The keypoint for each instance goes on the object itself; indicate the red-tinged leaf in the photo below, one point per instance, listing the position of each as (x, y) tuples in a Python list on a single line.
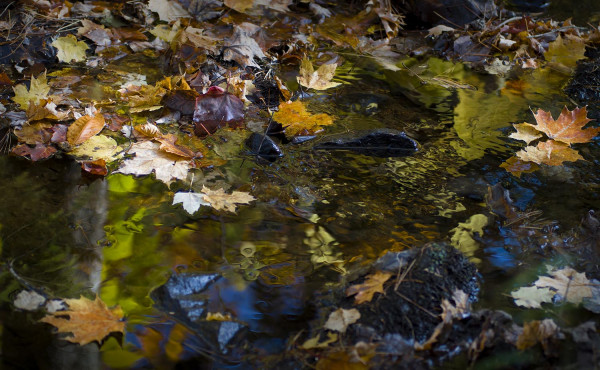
[(97, 167), (5, 80), (552, 153), (36, 153), (84, 128), (115, 122), (35, 133), (216, 109), (59, 134), (183, 101)]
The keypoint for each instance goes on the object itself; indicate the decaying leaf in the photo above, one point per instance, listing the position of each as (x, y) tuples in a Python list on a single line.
[(168, 144), (84, 128), (460, 309), (552, 153), (373, 284), (38, 90), (168, 10), (220, 200), (190, 201), (568, 127), (36, 153), (538, 332), (35, 133), (88, 320), (532, 297), (149, 158), (319, 79), (314, 342), (296, 120), (340, 319), (29, 300), (573, 286), (566, 283), (517, 166), (242, 48), (217, 108), (69, 49), (98, 147), (563, 53)]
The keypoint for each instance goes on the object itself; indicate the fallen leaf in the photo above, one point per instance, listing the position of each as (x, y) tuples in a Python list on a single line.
[(244, 6), (525, 132), (242, 48), (365, 291), (532, 297), (538, 332), (168, 10), (84, 128), (319, 79), (314, 342), (38, 152), (35, 133), (148, 130), (97, 167), (190, 201), (573, 286), (38, 90), (98, 147), (167, 144), (220, 200), (69, 49), (517, 167), (438, 30), (565, 52), (88, 320), (340, 319), (296, 120), (217, 108), (149, 158), (29, 300), (218, 317), (549, 152), (95, 32), (459, 310), (568, 128)]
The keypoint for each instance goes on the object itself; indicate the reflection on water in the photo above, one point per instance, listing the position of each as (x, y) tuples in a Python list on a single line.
[(319, 214)]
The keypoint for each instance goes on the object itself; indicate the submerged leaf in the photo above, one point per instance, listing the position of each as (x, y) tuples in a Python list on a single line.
[(319, 79), (88, 320), (296, 120)]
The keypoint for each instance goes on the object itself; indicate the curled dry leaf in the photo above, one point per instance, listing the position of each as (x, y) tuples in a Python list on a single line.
[(319, 79), (296, 120), (365, 291), (88, 320), (84, 128)]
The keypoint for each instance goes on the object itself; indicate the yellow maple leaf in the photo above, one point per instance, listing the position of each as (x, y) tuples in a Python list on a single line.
[(552, 153), (563, 53), (218, 199), (88, 320), (319, 79), (69, 49), (296, 120), (365, 291), (38, 90)]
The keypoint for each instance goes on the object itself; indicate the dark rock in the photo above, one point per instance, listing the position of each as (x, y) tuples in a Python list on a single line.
[(378, 143), (264, 147)]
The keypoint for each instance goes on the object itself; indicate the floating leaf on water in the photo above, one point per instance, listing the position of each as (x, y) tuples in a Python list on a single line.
[(190, 201), (296, 120), (149, 158), (532, 297), (84, 128), (98, 147), (319, 79), (568, 127), (220, 200), (549, 152), (38, 90), (69, 49), (373, 284), (168, 10), (340, 319)]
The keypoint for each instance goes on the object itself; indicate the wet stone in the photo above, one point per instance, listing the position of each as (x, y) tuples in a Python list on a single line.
[(378, 143)]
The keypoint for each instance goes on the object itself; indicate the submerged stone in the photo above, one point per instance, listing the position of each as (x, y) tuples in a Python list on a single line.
[(378, 143), (264, 147)]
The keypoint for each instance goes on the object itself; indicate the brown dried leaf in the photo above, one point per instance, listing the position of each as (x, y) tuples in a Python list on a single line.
[(36, 133), (517, 167), (88, 320), (537, 332), (167, 144), (567, 128), (365, 291), (220, 200), (40, 151), (84, 128), (572, 285), (525, 132), (97, 167), (549, 152), (340, 319)]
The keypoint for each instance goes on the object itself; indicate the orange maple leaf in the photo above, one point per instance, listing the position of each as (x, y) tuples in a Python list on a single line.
[(517, 166), (88, 320), (567, 128), (365, 291), (552, 153), (296, 120)]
